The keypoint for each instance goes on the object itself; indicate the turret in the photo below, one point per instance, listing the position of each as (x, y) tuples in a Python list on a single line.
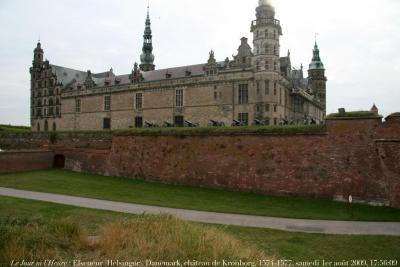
[(316, 77), (266, 32), (38, 56), (147, 57)]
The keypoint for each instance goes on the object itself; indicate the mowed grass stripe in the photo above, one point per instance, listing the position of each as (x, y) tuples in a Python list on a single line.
[(175, 196)]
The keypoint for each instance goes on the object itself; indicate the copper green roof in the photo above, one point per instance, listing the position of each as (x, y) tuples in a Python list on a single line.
[(316, 63)]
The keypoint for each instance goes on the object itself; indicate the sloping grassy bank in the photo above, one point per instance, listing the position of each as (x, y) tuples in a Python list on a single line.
[(175, 196)]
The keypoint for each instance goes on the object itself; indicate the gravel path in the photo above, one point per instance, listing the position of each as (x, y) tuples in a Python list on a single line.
[(292, 225)]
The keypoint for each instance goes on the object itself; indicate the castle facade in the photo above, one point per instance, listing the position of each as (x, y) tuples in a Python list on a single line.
[(256, 85)]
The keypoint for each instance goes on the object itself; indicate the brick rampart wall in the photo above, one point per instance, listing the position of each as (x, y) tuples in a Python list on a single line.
[(15, 161), (358, 157)]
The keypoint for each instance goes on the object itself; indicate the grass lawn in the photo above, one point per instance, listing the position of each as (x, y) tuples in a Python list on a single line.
[(282, 245), (150, 193)]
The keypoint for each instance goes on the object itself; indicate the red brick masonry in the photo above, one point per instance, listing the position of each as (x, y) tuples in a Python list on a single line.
[(360, 157), (12, 161)]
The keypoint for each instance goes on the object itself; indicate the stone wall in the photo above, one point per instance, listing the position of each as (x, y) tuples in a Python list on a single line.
[(29, 160), (34, 140)]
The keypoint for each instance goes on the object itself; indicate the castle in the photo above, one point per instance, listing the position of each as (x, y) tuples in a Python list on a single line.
[(256, 86)]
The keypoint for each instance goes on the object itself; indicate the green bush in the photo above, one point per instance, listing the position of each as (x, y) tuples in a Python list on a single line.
[(14, 129), (354, 114), (204, 131)]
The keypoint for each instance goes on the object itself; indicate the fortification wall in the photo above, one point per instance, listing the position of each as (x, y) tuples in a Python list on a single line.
[(358, 157), (346, 161), (14, 161), (35, 140)]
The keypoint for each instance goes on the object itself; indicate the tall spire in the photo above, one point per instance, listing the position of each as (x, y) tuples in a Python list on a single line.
[(147, 57), (316, 62)]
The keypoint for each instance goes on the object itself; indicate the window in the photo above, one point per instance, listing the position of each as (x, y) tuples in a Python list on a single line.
[(275, 108), (39, 112), (275, 85), (215, 95), (138, 122), (267, 87), (54, 127), (57, 101), (267, 64), (244, 118), (275, 66), (179, 121), (106, 123), (259, 108), (243, 93), (275, 50), (46, 126), (139, 101), (275, 121), (179, 98), (266, 121), (51, 111), (77, 105), (258, 88), (57, 111), (266, 107), (107, 103)]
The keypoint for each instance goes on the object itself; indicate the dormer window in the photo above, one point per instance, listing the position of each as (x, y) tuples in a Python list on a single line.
[(168, 75), (117, 80), (188, 73), (107, 82)]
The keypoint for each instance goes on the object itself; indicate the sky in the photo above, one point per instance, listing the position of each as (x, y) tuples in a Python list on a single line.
[(359, 42)]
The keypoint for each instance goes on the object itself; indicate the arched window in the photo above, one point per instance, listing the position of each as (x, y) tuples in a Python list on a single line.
[(51, 102), (54, 127), (46, 126)]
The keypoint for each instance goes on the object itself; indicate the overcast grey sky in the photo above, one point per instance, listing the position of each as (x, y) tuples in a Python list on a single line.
[(359, 41)]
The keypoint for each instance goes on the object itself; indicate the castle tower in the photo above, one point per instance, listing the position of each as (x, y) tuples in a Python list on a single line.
[(147, 57), (266, 33), (35, 71), (316, 77), (266, 63), (38, 56)]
